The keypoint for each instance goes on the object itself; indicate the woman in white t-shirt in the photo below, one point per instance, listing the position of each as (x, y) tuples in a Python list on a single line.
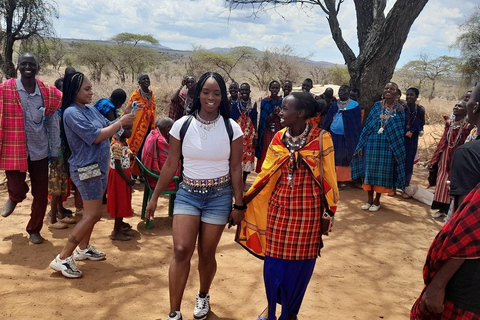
[(212, 148)]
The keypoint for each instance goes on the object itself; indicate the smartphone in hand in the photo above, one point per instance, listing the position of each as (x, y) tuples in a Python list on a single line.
[(134, 107)]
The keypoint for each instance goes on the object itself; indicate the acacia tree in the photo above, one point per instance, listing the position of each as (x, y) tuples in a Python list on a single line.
[(469, 44), (380, 37), (23, 20), (130, 55)]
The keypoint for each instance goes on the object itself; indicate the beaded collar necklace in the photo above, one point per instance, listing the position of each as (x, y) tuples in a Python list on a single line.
[(206, 125), (293, 144), (386, 113), (342, 104)]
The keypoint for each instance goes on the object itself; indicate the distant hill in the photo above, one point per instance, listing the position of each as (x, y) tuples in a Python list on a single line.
[(161, 48)]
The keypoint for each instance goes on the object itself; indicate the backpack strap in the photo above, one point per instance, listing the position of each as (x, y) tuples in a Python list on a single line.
[(229, 128), (184, 128)]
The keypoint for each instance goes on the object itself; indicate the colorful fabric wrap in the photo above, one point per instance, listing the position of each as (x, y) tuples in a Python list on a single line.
[(204, 185), (383, 161), (13, 147), (251, 231), (458, 239)]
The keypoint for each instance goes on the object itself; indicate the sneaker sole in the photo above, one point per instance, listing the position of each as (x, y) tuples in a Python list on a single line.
[(67, 275), (81, 258), (201, 317)]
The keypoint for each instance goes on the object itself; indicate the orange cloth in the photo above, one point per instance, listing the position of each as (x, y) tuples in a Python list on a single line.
[(377, 189), (343, 173), (144, 117)]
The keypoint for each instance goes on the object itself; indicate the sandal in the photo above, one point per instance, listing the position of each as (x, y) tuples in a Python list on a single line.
[(126, 226)]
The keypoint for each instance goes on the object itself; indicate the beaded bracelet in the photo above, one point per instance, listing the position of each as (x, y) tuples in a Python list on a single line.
[(242, 207)]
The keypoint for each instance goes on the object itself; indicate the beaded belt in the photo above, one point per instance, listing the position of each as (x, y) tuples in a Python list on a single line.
[(204, 185)]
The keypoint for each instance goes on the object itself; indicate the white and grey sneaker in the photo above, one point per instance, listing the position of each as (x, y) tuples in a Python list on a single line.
[(90, 253), (202, 307), (175, 315), (67, 267)]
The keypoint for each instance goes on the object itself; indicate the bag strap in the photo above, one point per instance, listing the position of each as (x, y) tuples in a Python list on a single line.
[(229, 128), (184, 128)]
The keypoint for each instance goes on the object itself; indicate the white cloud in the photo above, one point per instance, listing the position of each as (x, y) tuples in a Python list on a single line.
[(179, 23)]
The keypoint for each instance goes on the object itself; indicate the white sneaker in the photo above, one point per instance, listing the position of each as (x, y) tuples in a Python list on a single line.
[(67, 267), (202, 307), (175, 315), (438, 214), (366, 206), (90, 252), (374, 208)]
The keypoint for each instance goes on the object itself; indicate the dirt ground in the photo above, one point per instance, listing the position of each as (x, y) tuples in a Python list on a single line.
[(371, 267)]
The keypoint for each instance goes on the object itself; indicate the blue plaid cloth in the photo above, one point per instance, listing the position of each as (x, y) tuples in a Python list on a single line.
[(266, 108), (346, 144), (384, 153)]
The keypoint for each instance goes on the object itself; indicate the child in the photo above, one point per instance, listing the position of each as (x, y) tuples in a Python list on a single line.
[(120, 182), (57, 189)]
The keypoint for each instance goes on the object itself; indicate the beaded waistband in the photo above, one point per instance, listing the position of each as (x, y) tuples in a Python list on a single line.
[(206, 182)]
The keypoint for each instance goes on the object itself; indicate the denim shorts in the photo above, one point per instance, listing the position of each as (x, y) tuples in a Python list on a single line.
[(91, 189), (213, 206)]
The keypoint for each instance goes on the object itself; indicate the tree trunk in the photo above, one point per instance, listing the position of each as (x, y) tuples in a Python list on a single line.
[(432, 93), (8, 67)]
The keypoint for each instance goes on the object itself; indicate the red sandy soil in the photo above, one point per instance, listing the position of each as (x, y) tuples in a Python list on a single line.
[(371, 267)]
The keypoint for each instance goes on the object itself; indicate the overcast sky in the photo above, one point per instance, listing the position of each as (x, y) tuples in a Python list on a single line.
[(180, 24)]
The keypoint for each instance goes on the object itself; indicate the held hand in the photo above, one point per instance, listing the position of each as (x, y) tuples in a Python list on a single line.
[(127, 119), (128, 108), (326, 225), (432, 299), (150, 210), (360, 153), (131, 182), (235, 217), (409, 134), (53, 162)]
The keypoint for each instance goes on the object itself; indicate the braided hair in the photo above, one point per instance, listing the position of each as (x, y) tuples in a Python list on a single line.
[(224, 106), (72, 83)]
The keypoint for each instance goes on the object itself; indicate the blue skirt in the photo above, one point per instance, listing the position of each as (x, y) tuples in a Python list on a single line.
[(286, 282)]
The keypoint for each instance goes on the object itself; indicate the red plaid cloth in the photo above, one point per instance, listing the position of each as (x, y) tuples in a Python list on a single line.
[(13, 148), (177, 109), (293, 220), (459, 238)]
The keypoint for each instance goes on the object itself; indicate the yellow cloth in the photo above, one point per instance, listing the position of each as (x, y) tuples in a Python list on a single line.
[(251, 231)]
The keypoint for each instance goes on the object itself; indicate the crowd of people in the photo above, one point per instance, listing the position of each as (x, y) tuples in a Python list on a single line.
[(304, 148)]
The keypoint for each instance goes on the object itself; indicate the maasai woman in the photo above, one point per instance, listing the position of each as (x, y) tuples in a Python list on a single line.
[(454, 135), (344, 122), (244, 111), (414, 122), (292, 203), (144, 117), (452, 271), (286, 88), (269, 122), (379, 159)]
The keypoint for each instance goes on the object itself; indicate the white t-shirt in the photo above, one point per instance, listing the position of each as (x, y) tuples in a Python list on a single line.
[(206, 154)]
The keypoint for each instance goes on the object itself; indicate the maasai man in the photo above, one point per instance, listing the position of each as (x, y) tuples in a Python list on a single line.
[(144, 117)]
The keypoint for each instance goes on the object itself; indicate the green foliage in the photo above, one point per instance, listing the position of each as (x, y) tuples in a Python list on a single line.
[(134, 38), (50, 52), (469, 43), (338, 75), (22, 20)]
